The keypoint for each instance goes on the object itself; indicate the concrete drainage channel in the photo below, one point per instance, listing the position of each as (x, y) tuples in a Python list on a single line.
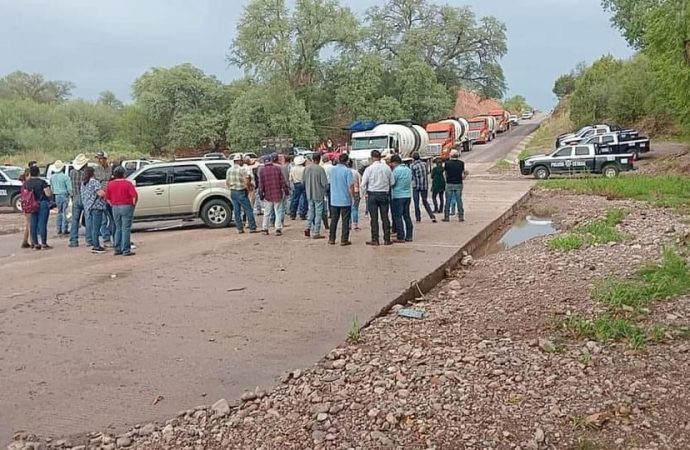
[(491, 233)]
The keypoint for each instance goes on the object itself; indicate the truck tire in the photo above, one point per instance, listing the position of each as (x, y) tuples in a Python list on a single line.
[(541, 173), (610, 171), (17, 203), (216, 213)]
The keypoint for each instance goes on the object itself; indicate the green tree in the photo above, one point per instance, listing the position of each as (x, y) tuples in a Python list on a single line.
[(421, 96), (516, 104), (462, 50), (170, 97), (33, 86), (269, 109), (591, 100), (631, 17), (108, 98), (564, 85)]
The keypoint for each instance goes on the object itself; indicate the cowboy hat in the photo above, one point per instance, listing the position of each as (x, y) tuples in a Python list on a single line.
[(80, 161), (237, 157), (299, 160), (58, 165)]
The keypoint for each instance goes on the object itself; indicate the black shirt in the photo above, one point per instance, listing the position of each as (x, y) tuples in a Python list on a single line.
[(37, 185), (454, 169)]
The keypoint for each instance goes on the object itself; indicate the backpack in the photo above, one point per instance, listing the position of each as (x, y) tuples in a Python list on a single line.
[(28, 199)]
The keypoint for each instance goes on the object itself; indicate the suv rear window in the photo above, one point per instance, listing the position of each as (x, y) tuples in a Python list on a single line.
[(219, 170), (187, 174), (581, 151), (152, 177)]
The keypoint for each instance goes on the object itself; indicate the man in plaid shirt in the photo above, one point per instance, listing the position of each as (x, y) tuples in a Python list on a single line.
[(273, 189), (420, 184), (238, 179), (76, 176)]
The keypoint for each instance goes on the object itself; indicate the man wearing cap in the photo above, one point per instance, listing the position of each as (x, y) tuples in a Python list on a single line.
[(103, 173), (455, 172), (376, 183), (315, 185), (239, 180), (61, 186), (76, 176), (299, 193), (273, 189)]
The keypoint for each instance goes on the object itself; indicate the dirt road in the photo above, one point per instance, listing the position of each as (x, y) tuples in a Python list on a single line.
[(95, 342)]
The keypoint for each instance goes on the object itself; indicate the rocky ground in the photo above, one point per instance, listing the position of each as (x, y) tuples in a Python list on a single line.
[(488, 367)]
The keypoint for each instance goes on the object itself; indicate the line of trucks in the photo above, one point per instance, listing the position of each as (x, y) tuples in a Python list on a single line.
[(600, 149), (435, 140)]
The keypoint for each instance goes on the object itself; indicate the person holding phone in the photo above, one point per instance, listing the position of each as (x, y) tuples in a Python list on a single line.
[(92, 196)]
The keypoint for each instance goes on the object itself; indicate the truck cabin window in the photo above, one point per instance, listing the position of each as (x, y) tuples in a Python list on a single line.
[(564, 152), (581, 151), (433, 135), (607, 140), (476, 125), (370, 143)]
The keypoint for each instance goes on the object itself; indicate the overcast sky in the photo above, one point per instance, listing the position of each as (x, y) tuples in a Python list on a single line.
[(106, 44)]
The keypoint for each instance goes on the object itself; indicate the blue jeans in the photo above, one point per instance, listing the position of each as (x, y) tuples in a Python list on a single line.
[(299, 194), (454, 195), (273, 212), (107, 223), (314, 216), (77, 211), (401, 218), (240, 202), (94, 226), (355, 209), (122, 216), (39, 223), (61, 200)]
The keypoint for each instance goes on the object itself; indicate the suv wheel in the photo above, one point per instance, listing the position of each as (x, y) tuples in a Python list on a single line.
[(610, 171), (541, 173), (17, 203), (216, 213)]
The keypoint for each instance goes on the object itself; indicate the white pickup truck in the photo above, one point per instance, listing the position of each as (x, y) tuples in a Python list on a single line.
[(587, 132)]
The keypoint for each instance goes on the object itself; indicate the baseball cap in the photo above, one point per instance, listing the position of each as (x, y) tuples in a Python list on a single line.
[(102, 154)]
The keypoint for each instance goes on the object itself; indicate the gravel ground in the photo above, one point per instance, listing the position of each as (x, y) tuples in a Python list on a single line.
[(486, 368)]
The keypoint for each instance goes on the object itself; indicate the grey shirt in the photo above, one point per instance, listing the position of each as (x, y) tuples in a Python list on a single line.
[(103, 174), (315, 182), (378, 177)]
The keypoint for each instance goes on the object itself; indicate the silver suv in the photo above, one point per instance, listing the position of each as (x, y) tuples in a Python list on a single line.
[(184, 190)]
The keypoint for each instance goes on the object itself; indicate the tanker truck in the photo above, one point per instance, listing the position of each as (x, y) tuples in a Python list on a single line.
[(447, 135), (503, 118), (402, 138), (492, 124), (481, 129)]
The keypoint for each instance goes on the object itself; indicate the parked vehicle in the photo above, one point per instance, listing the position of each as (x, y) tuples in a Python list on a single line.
[(502, 119), (480, 130), (402, 138), (10, 187), (587, 132), (447, 135), (575, 159), (184, 189), (514, 119), (137, 164), (621, 142), (527, 115), (276, 144)]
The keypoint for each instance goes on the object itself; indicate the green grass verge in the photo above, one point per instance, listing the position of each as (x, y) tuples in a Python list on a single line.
[(606, 328), (600, 231), (667, 279), (503, 165), (665, 191)]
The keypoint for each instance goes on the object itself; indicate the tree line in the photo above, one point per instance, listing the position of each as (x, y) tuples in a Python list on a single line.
[(309, 71), (651, 89)]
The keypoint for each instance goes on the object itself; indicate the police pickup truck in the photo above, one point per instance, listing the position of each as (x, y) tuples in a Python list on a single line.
[(10, 187), (576, 159), (587, 132), (621, 142)]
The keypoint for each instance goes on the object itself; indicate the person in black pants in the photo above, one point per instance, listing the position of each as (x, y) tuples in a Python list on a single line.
[(376, 182), (342, 198), (420, 181)]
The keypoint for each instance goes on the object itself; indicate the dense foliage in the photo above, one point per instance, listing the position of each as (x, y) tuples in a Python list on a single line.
[(653, 87), (311, 67)]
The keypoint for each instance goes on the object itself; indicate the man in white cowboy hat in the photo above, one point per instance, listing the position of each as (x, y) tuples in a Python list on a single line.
[(61, 185), (76, 176), (103, 172), (299, 193)]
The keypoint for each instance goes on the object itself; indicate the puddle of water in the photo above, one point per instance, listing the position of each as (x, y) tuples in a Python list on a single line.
[(524, 229)]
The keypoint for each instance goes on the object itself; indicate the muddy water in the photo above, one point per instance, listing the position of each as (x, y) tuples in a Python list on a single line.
[(524, 228)]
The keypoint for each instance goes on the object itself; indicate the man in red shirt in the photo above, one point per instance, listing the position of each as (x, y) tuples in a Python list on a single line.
[(122, 196), (273, 188)]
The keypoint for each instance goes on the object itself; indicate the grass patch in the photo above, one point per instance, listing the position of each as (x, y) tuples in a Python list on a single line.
[(503, 165), (669, 278), (566, 242), (600, 231), (355, 333), (664, 191), (607, 328)]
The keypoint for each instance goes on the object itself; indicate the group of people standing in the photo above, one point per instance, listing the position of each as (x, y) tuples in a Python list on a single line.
[(327, 194), (102, 200)]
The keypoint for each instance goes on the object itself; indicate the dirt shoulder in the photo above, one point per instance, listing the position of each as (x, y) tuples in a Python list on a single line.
[(490, 366)]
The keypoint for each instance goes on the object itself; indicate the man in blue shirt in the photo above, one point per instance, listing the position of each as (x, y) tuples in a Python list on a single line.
[(401, 195), (61, 185), (342, 195)]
